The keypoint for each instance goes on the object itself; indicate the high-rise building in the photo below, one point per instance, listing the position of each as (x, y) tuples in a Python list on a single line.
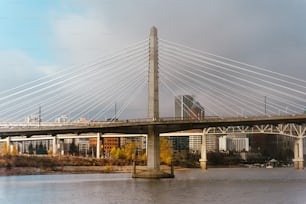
[(198, 111), (183, 105), (186, 107)]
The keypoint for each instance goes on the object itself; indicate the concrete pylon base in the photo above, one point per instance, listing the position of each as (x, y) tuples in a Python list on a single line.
[(299, 165), (203, 164), (152, 174)]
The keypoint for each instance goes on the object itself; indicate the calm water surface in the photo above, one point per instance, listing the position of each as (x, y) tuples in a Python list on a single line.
[(214, 186)]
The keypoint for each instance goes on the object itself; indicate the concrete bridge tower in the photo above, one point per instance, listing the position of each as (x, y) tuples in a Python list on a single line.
[(153, 150), (153, 142)]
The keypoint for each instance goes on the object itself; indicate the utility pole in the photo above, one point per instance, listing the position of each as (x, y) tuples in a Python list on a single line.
[(39, 115), (265, 105), (115, 111)]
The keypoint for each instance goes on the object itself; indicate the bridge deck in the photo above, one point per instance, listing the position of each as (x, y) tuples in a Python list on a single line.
[(141, 126)]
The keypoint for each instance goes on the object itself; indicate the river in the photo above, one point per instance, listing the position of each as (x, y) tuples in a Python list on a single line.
[(224, 185)]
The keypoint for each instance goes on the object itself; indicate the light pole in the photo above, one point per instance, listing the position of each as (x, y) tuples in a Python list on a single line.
[(265, 105)]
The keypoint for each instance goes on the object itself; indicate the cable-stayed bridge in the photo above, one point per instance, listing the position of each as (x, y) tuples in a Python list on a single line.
[(113, 92)]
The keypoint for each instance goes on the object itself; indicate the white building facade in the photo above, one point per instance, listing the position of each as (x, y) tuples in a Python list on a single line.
[(232, 143)]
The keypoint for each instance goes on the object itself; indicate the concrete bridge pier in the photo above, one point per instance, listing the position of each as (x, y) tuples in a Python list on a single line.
[(298, 153), (8, 145), (203, 159), (153, 157), (54, 145), (153, 151), (99, 135)]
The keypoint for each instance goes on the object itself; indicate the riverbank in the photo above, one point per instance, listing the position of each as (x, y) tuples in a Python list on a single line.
[(38, 165), (15, 171)]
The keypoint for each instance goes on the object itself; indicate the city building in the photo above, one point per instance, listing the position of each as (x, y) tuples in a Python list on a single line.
[(237, 143), (197, 110), (212, 143), (109, 143), (84, 147), (274, 146), (34, 118), (62, 119), (179, 143), (195, 142), (186, 107), (182, 105), (140, 141)]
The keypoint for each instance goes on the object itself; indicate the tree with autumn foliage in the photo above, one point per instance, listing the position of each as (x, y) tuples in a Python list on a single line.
[(14, 150), (4, 149), (117, 153), (165, 151), (129, 150)]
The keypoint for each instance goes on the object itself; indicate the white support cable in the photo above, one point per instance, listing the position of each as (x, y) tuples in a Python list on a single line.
[(210, 97), (236, 72), (212, 88), (72, 68), (280, 108), (121, 87), (174, 94), (99, 92), (208, 79), (2, 104), (33, 104), (45, 88), (194, 60), (166, 85), (85, 102), (234, 61), (137, 89), (57, 75), (224, 79), (124, 94), (190, 85), (124, 72), (276, 106)]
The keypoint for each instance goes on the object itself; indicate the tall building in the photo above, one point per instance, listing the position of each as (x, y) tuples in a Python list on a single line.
[(198, 111), (186, 107), (183, 105)]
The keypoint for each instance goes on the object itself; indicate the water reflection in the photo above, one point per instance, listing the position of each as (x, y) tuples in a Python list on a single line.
[(213, 186)]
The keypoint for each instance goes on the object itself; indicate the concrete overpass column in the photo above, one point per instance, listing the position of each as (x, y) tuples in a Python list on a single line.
[(203, 159), (22, 147), (153, 150), (54, 146), (8, 145), (98, 145), (298, 153), (301, 153)]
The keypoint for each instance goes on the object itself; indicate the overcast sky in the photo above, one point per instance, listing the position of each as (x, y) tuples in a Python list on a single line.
[(38, 37)]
